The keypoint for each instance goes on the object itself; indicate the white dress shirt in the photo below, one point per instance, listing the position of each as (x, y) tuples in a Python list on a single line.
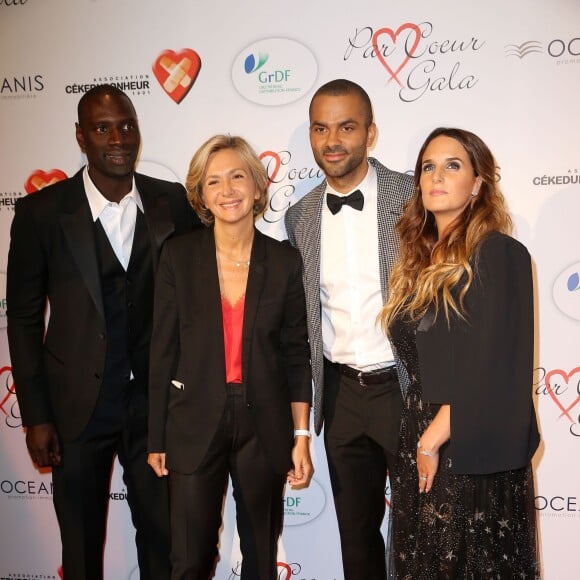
[(118, 219), (350, 284)]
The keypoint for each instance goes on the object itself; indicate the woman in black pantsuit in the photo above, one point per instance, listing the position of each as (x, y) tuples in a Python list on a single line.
[(230, 381)]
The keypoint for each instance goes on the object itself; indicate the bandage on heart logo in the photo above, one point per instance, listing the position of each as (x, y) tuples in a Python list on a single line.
[(39, 179), (407, 48), (177, 71), (572, 398)]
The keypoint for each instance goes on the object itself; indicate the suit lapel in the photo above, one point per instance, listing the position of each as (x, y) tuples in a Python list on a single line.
[(77, 225), (311, 231), (256, 279), (204, 268), (389, 211), (158, 214), (308, 238)]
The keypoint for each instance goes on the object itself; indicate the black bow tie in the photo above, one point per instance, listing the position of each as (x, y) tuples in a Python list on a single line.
[(356, 200)]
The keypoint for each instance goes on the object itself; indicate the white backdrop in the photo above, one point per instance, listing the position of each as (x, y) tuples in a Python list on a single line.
[(507, 70)]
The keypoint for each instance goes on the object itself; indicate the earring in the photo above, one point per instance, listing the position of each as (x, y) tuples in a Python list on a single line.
[(475, 191)]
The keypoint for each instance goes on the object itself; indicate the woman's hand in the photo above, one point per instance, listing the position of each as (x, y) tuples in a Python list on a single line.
[(299, 477), (427, 467), (435, 435), (157, 463)]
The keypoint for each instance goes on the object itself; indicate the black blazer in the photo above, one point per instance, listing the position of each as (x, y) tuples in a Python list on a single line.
[(483, 366), (188, 347), (52, 256)]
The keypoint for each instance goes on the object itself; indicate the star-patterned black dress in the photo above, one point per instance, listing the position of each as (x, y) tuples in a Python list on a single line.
[(468, 526)]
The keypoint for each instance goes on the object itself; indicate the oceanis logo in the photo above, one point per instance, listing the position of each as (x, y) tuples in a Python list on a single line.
[(524, 49), (40, 179), (21, 87), (26, 489), (558, 506), (563, 50), (177, 71), (415, 60)]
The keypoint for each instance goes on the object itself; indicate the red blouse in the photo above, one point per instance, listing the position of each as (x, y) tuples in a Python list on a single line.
[(233, 320)]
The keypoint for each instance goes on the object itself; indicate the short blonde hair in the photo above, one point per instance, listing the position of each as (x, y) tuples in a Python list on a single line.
[(198, 167)]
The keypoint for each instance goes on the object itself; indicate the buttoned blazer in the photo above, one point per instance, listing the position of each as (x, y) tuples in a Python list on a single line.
[(482, 365), (187, 378), (58, 370), (303, 225)]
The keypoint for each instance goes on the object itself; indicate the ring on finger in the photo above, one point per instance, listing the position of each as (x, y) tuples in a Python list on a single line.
[(422, 477)]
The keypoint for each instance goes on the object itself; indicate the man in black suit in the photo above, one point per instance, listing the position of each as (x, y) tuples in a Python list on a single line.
[(89, 247), (345, 231)]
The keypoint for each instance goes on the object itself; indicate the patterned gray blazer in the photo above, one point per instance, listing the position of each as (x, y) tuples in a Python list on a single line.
[(303, 226)]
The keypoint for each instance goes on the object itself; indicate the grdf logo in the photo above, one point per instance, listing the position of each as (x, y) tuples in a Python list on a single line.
[(251, 65)]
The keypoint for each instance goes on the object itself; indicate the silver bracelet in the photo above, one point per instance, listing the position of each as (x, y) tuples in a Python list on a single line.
[(424, 452)]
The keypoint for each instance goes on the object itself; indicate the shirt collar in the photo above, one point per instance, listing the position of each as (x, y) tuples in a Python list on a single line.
[(98, 202)]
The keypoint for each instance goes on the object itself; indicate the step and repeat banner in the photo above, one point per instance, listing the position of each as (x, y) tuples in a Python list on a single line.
[(509, 71)]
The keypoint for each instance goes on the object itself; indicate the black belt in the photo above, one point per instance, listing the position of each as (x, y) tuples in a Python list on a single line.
[(365, 379)]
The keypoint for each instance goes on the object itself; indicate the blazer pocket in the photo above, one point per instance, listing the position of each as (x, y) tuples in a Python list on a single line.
[(51, 356), (177, 384)]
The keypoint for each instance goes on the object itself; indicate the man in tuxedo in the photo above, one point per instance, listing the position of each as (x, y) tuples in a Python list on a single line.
[(345, 231), (88, 247)]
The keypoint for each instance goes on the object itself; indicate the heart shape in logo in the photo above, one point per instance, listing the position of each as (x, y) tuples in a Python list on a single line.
[(177, 71), (9, 383), (565, 410), (39, 179), (409, 51), (277, 163)]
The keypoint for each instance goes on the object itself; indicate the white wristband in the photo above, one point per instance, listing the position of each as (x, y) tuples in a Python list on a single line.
[(303, 432)]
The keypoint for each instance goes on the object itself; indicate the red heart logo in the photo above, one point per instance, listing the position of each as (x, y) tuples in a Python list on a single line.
[(39, 179), (10, 391), (557, 396), (408, 51), (177, 71), (277, 164)]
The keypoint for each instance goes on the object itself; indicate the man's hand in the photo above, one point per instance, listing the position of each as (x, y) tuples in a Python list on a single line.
[(157, 463), (43, 445)]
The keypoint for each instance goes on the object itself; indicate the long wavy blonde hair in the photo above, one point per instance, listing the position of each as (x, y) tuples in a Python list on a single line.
[(439, 271)]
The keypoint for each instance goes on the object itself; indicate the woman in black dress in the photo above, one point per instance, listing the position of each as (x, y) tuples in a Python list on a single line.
[(461, 317)]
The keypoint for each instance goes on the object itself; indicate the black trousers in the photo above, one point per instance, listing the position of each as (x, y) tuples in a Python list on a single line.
[(197, 500), (361, 428), (81, 487)]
